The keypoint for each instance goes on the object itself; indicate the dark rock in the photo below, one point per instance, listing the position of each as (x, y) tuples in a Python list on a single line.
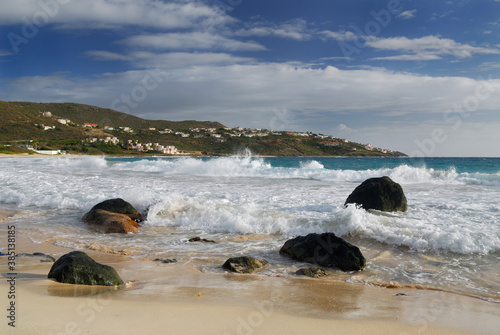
[(382, 194), (78, 268), (199, 239), (109, 222), (244, 264), (166, 260), (325, 250), (120, 206), (312, 272)]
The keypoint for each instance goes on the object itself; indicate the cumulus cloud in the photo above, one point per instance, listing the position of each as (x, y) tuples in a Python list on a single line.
[(115, 13), (212, 87)]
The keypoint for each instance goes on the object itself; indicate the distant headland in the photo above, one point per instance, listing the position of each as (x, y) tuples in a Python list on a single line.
[(70, 128)]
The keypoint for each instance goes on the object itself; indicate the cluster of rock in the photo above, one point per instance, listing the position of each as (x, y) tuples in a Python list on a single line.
[(328, 250), (325, 250)]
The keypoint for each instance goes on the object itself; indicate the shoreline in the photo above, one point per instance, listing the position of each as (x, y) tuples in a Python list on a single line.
[(187, 300), (22, 155)]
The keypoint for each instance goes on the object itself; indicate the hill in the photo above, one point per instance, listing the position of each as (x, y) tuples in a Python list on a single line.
[(22, 116), (79, 128)]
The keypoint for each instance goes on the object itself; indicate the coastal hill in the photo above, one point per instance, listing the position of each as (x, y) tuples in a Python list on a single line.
[(77, 128)]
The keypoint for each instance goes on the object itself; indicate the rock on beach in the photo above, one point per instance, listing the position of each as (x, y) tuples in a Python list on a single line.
[(326, 250), (77, 267), (244, 264)]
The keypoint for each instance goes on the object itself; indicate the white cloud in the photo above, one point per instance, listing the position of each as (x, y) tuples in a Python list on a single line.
[(407, 14), (489, 66), (342, 129), (242, 87), (143, 59), (294, 29), (340, 36), (115, 13), (426, 48), (416, 57), (191, 41)]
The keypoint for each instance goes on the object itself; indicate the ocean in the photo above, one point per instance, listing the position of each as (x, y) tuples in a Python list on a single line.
[(449, 239)]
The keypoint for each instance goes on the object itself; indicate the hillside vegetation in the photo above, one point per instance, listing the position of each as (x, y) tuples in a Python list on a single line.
[(25, 123)]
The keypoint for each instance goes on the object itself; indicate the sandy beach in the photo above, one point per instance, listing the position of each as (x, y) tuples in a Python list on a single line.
[(185, 300)]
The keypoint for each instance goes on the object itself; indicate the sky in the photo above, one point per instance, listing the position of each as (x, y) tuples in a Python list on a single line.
[(421, 77)]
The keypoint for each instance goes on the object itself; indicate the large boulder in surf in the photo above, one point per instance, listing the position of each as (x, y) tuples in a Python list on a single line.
[(382, 194), (120, 206), (244, 264), (326, 250), (113, 216), (78, 268), (109, 222)]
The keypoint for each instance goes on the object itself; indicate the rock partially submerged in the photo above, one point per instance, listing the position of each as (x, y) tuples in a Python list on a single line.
[(313, 272), (199, 239), (113, 216), (244, 264), (326, 250), (382, 194), (120, 206), (166, 260), (78, 268), (108, 222)]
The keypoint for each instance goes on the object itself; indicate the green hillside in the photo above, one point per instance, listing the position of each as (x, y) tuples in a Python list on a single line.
[(13, 113), (25, 123)]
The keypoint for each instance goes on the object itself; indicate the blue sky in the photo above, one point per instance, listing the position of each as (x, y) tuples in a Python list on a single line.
[(422, 77)]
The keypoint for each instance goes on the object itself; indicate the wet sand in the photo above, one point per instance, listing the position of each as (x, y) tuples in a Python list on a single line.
[(181, 299)]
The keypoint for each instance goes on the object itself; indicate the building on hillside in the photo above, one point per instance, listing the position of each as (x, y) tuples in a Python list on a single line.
[(47, 114), (90, 125), (113, 140), (168, 149), (63, 121), (127, 129)]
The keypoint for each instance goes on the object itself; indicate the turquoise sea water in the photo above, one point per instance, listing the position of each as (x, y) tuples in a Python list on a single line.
[(448, 239)]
